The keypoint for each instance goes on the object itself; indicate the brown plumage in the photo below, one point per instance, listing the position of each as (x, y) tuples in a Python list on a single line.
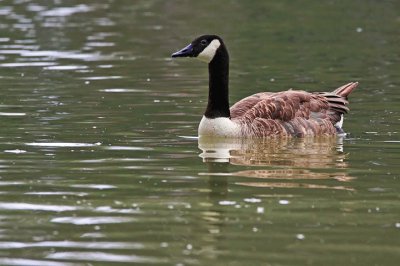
[(292, 112)]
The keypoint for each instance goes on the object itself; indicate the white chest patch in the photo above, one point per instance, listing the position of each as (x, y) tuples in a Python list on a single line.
[(218, 127), (209, 52)]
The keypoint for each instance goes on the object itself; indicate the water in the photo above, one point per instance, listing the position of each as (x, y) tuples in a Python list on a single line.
[(99, 160)]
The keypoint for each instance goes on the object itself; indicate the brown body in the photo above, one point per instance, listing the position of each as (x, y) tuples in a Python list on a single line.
[(292, 113)]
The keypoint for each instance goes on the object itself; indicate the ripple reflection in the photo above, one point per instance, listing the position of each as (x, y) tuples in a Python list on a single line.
[(104, 257), (93, 220), (284, 159), (36, 207)]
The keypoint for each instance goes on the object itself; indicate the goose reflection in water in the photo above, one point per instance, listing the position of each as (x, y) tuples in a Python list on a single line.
[(289, 160)]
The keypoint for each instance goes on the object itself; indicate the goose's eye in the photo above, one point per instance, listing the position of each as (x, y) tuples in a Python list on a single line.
[(203, 42)]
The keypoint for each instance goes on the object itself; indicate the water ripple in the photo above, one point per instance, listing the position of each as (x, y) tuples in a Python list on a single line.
[(12, 114), (102, 77), (65, 67), (26, 64), (72, 244), (94, 186), (66, 11), (128, 148), (122, 90), (72, 54), (62, 144), (104, 257), (93, 220), (108, 209), (27, 262), (36, 207), (63, 193), (16, 151)]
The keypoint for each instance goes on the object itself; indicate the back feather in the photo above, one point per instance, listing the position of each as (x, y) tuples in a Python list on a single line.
[(292, 112)]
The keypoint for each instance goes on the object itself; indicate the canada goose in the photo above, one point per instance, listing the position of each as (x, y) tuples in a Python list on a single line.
[(287, 113)]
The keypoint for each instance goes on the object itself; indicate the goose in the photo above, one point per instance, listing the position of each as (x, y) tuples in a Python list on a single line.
[(291, 113)]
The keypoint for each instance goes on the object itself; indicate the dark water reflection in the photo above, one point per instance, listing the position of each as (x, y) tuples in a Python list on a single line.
[(99, 162)]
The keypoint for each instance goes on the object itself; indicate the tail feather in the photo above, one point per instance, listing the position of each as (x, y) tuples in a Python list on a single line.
[(345, 90), (337, 101)]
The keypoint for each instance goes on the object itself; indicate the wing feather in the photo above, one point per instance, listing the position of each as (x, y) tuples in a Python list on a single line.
[(290, 112)]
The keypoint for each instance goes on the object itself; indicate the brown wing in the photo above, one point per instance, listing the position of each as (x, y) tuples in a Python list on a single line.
[(290, 112), (283, 106), (296, 113), (244, 105)]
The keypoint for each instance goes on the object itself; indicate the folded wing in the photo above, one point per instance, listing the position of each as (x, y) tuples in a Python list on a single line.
[(292, 112)]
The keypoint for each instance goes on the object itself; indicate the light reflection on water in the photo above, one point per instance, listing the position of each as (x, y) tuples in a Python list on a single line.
[(104, 257)]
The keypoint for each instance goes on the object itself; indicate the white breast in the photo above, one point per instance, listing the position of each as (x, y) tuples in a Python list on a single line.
[(219, 127)]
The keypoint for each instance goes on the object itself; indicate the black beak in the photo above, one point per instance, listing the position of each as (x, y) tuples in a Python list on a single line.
[(185, 52)]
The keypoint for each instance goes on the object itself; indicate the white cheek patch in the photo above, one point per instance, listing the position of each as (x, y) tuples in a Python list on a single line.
[(209, 52)]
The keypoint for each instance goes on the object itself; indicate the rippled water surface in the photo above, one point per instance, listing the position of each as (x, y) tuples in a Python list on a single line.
[(100, 162)]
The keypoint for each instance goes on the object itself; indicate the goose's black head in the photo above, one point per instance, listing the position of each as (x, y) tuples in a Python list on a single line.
[(204, 48)]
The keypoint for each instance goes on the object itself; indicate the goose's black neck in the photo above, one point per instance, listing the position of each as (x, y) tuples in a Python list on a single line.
[(218, 94)]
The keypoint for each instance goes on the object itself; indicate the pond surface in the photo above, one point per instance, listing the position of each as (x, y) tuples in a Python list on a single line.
[(100, 162)]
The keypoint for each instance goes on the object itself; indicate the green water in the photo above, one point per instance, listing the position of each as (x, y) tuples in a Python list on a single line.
[(99, 160)]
